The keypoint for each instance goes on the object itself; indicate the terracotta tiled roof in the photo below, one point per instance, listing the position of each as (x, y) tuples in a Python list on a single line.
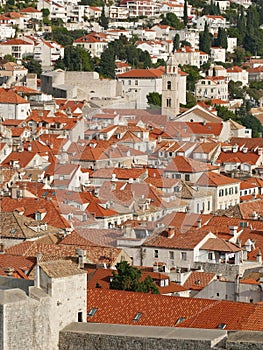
[(238, 157), (152, 73), (187, 240), (52, 217), (213, 179), (60, 268), (9, 96), (29, 10), (188, 165), (16, 42), (217, 244), (198, 280), (250, 143), (158, 310)]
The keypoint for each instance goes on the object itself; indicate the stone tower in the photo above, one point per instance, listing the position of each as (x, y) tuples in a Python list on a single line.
[(170, 88)]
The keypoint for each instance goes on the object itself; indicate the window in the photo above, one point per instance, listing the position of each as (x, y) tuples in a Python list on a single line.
[(168, 102), (210, 256), (171, 255), (137, 317), (129, 82), (183, 256), (169, 85), (226, 191), (208, 205), (136, 82), (187, 177), (92, 312), (156, 253), (236, 190), (221, 193)]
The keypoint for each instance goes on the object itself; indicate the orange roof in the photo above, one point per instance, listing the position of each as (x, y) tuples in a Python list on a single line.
[(9, 96), (158, 310), (214, 180), (188, 165), (198, 280), (29, 10), (143, 73)]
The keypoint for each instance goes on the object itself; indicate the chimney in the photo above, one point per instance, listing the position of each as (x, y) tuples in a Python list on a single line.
[(245, 149), (37, 271), (82, 254), (259, 257), (233, 230), (14, 190), (9, 271), (29, 147)]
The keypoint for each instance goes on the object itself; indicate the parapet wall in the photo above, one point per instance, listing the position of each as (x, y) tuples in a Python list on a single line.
[(92, 336), (80, 336)]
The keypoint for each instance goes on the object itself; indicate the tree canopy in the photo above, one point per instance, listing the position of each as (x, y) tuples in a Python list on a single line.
[(75, 59), (172, 20), (128, 278), (33, 66)]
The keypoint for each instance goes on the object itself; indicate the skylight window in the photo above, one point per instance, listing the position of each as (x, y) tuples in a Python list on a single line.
[(137, 316), (180, 319), (92, 312), (221, 326), (12, 231)]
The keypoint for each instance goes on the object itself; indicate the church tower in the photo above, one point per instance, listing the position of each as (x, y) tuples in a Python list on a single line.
[(170, 88)]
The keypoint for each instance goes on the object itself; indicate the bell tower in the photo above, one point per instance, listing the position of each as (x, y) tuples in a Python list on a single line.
[(170, 88)]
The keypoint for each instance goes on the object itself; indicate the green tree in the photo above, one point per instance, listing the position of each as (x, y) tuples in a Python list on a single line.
[(241, 25), (251, 122), (77, 59), (190, 100), (205, 39), (33, 66), (128, 278), (172, 20), (176, 42), (154, 100), (224, 113), (107, 64), (222, 38), (192, 77), (104, 21), (9, 58), (185, 13), (239, 55), (235, 90)]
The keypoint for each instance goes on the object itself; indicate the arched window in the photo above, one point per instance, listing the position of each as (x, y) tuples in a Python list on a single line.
[(169, 85), (168, 102)]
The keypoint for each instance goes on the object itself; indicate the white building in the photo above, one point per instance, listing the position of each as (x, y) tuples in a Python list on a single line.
[(238, 74), (18, 48), (187, 55), (214, 22), (218, 54), (212, 88), (12, 106), (48, 52), (6, 28), (141, 82)]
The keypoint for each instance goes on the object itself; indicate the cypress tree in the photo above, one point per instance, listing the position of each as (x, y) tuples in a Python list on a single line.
[(205, 40), (176, 42)]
